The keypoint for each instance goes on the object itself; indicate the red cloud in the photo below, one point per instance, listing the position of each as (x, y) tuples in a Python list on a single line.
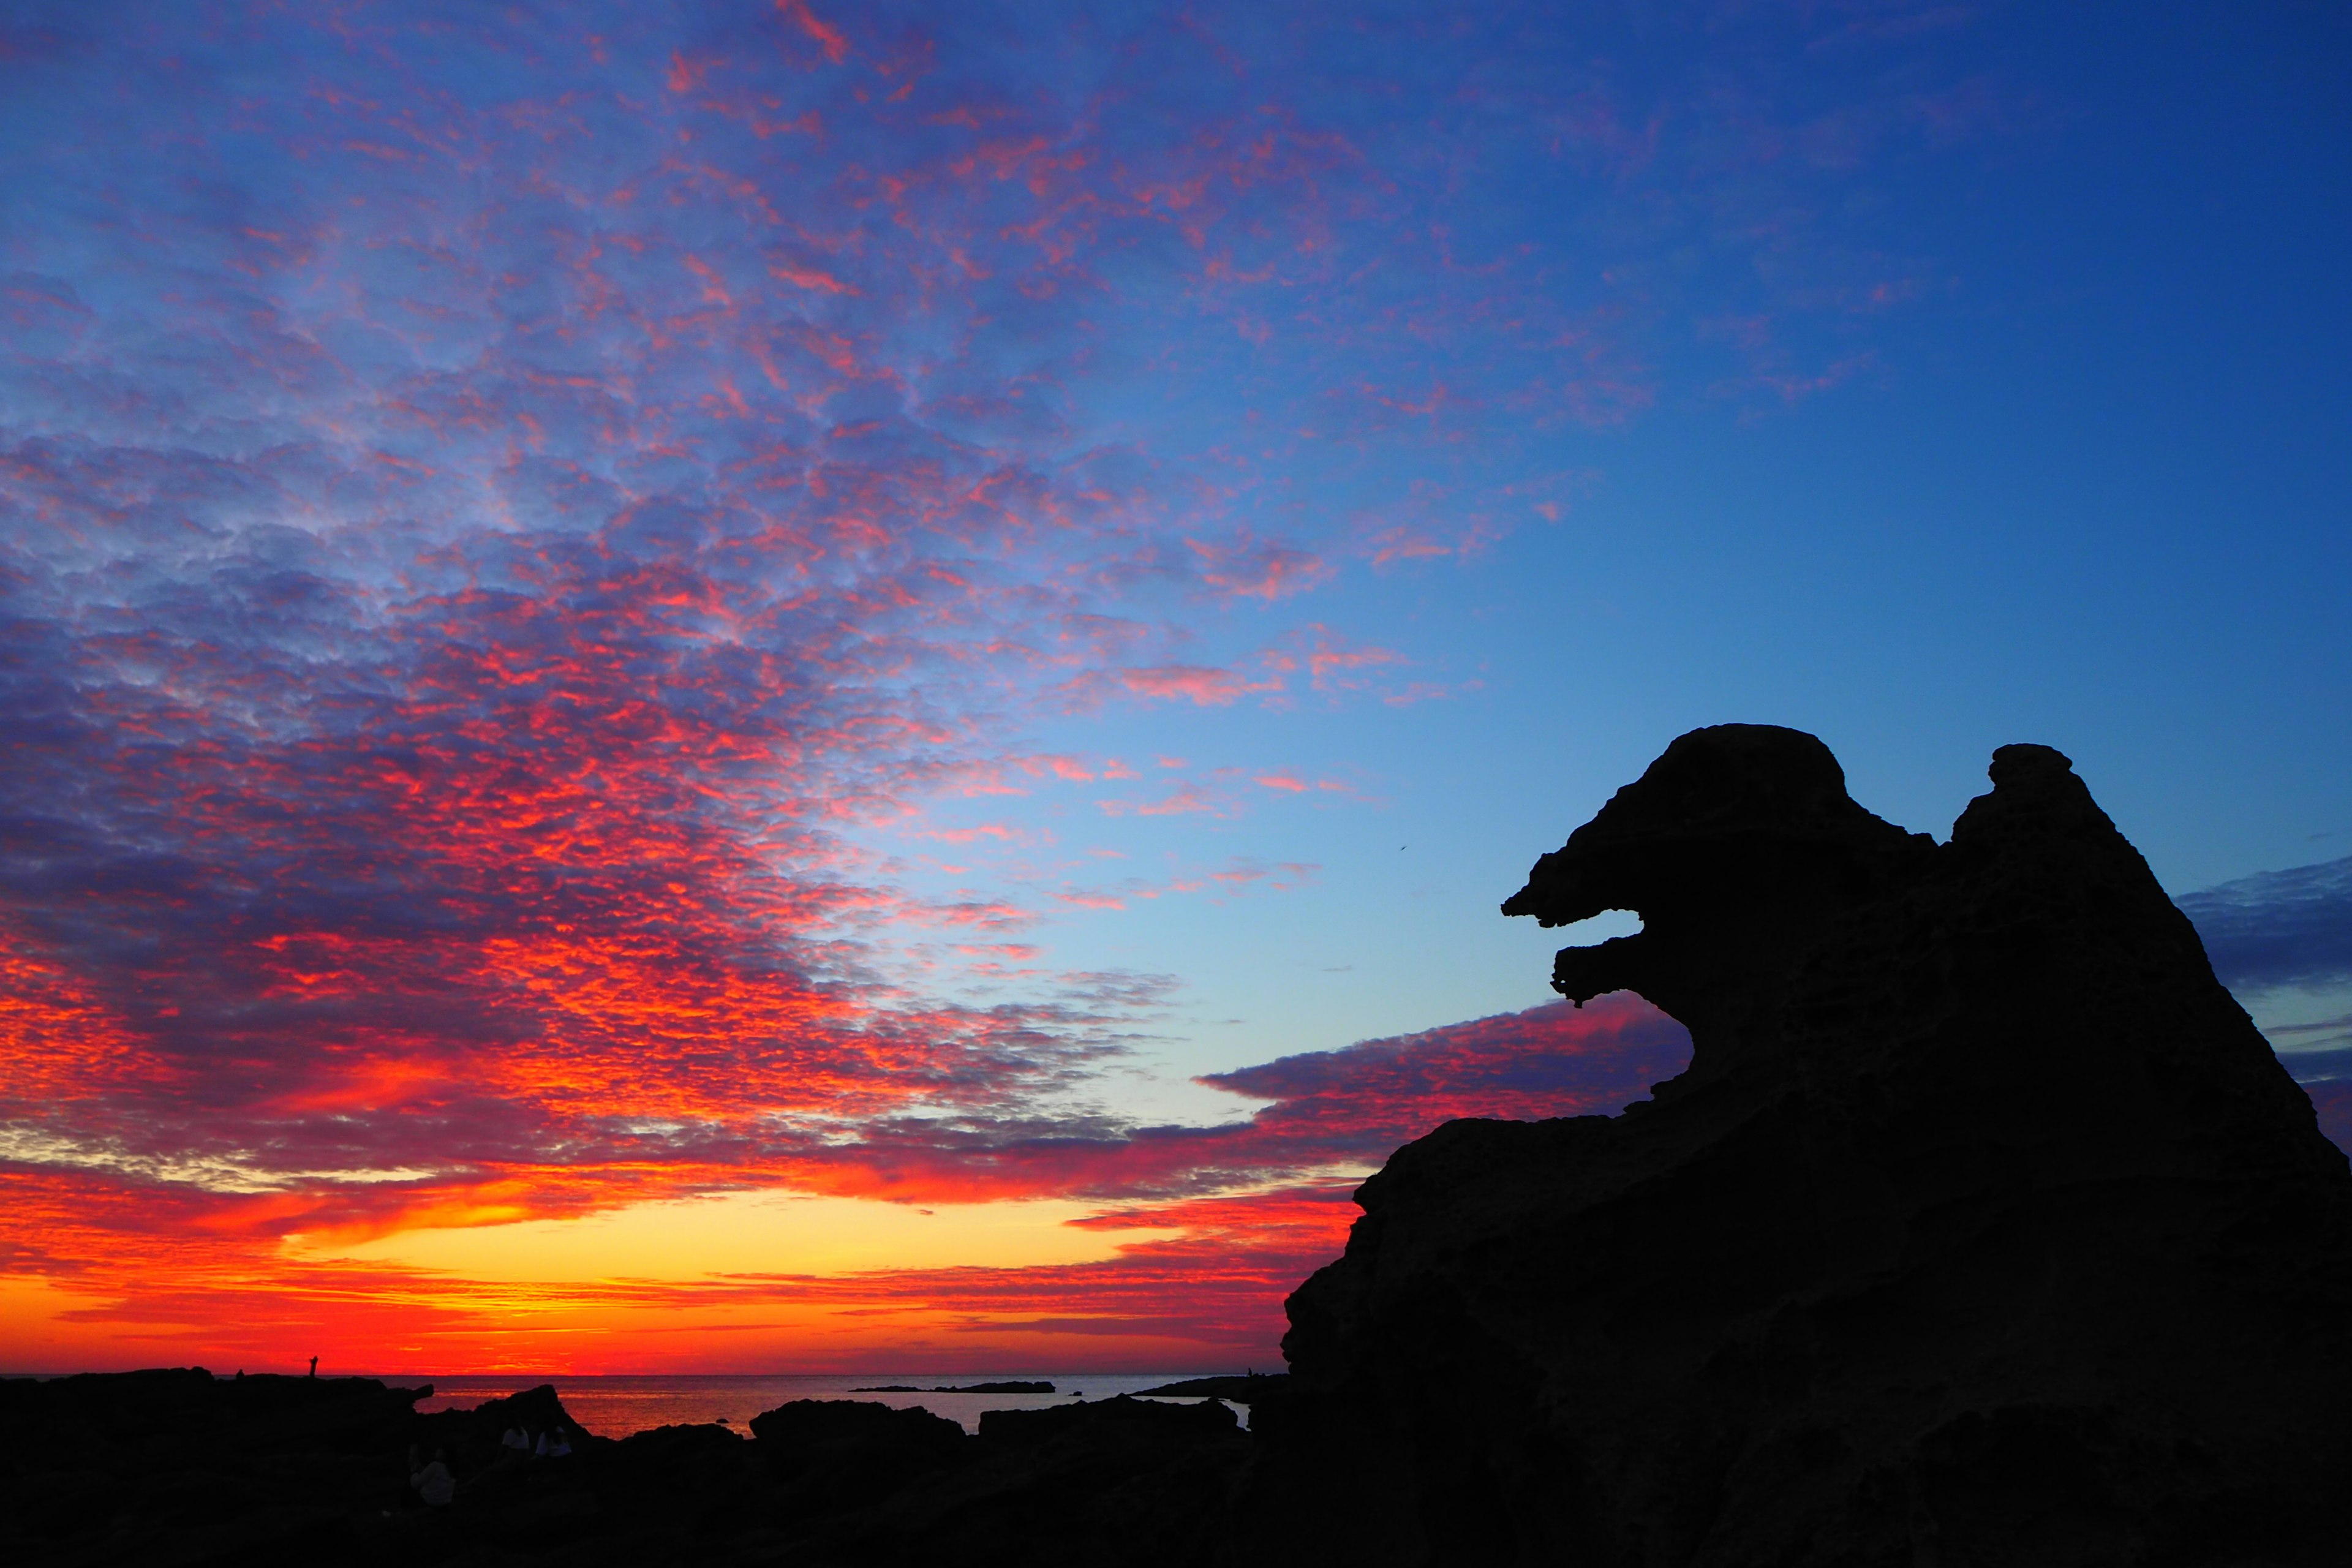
[(1202, 686), (1257, 569), (827, 38), (203, 1268)]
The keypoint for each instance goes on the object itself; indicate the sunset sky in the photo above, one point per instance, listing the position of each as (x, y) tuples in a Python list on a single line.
[(746, 686)]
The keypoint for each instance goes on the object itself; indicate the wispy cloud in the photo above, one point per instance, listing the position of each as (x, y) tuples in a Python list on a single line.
[(1227, 1217), (2280, 928)]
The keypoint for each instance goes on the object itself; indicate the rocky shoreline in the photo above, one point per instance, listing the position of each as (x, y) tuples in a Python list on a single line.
[(180, 1467)]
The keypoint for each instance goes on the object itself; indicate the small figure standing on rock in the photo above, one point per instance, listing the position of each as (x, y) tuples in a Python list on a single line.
[(314, 1366), (433, 1482)]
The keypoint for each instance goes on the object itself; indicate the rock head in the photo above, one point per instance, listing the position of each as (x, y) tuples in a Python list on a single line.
[(1983, 1228)]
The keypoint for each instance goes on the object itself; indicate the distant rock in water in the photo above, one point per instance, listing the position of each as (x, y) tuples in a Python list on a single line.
[(1248, 1389), (968, 1388), (1984, 1227)]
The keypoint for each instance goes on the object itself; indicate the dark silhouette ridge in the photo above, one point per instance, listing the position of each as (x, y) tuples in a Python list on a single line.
[(1015, 1387), (1251, 1388), (1984, 1227), (179, 1466)]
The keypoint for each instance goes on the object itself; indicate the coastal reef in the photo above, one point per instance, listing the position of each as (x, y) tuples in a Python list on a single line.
[(1984, 1230), (1984, 1227), (174, 1468)]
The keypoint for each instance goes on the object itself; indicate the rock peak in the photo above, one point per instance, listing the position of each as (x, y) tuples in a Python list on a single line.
[(2024, 762)]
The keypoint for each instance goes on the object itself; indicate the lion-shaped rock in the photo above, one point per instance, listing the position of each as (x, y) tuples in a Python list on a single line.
[(1984, 1227)]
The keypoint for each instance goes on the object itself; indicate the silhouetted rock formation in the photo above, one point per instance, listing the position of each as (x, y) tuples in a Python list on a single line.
[(966, 1388), (837, 1454), (1117, 1481), (179, 1466), (1983, 1228), (176, 1465), (1252, 1388)]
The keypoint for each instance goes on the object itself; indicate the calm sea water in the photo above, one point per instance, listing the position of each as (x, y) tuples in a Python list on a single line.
[(618, 1406)]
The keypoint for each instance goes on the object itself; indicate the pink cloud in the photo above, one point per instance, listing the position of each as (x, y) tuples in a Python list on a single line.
[(1184, 800), (826, 36), (996, 830), (1202, 686), (1258, 570)]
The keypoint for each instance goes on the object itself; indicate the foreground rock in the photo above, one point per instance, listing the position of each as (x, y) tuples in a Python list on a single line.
[(165, 1468), (1983, 1228), (174, 1467), (1251, 1388)]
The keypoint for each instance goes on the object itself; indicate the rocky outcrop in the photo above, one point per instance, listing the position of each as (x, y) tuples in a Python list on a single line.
[(178, 1467), (1984, 1227), (827, 1456), (1250, 1388), (1013, 1387)]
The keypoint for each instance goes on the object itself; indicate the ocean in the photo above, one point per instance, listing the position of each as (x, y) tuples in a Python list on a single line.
[(618, 1406)]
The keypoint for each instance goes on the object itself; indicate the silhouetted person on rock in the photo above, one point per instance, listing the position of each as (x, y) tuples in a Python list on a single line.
[(433, 1482), (314, 1366)]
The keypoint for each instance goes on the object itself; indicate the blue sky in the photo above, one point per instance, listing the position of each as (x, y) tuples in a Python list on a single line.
[(2024, 427)]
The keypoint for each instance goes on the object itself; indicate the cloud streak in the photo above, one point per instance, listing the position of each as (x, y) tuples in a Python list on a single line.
[(2280, 928), (1226, 1218)]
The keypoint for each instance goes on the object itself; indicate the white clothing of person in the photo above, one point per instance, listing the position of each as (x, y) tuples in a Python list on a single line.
[(434, 1484)]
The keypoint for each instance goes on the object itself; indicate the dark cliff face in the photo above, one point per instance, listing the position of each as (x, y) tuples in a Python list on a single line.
[(1984, 1227)]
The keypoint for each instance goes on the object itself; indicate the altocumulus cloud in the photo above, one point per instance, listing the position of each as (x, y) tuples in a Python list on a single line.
[(493, 501)]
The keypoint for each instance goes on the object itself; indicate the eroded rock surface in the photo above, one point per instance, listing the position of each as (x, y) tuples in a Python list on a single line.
[(1983, 1228)]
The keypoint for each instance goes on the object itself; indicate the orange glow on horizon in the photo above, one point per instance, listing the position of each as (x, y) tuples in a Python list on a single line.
[(883, 1251)]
